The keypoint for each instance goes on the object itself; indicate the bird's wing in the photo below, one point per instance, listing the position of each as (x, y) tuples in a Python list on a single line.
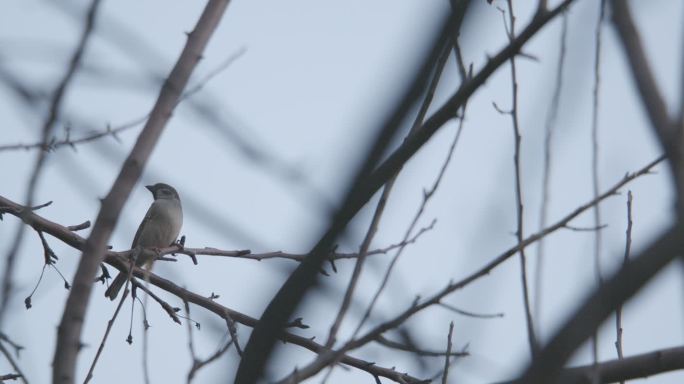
[(148, 217)]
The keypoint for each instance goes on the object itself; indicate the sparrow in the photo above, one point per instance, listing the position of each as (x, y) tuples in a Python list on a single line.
[(159, 229)]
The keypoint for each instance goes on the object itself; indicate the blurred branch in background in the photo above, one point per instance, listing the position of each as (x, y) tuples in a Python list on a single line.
[(49, 124), (361, 189), (549, 130), (638, 271), (476, 211), (71, 325), (630, 368), (598, 236), (209, 108), (518, 188), (118, 260)]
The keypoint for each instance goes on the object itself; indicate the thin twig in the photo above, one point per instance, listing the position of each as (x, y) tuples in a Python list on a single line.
[(171, 311), (427, 195), (79, 227), (531, 337), (417, 351), (13, 363), (199, 364), (445, 377), (17, 348), (380, 207), (206, 79), (299, 257), (232, 331), (146, 343), (325, 358), (459, 8), (110, 324), (628, 247), (54, 143), (586, 229), (471, 314), (191, 343)]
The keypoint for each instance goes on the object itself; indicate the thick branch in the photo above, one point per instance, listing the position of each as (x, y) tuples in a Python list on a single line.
[(362, 189), (643, 77), (601, 303), (629, 368), (69, 331), (325, 359)]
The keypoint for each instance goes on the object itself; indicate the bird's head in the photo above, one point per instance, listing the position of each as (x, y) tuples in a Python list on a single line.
[(162, 191)]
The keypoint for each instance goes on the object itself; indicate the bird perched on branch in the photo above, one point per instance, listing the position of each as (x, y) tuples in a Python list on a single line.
[(159, 229)]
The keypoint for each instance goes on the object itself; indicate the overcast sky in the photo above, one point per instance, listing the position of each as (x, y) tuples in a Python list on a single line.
[(264, 149)]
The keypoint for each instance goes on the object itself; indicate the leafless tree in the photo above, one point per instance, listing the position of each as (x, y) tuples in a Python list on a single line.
[(433, 105)]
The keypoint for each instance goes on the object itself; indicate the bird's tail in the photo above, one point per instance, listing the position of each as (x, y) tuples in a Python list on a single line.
[(115, 287)]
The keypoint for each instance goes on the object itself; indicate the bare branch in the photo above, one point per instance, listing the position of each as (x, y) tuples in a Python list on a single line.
[(531, 337), (110, 323), (69, 331), (629, 368), (330, 356), (282, 306), (595, 163), (429, 94), (10, 376), (171, 311), (628, 247), (54, 143), (48, 127), (651, 96), (549, 129), (118, 260), (199, 364), (445, 377), (471, 314), (586, 229), (427, 195), (17, 348), (420, 352), (601, 303), (191, 343), (13, 363)]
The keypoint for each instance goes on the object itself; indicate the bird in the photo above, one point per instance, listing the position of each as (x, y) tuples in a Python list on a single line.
[(159, 228)]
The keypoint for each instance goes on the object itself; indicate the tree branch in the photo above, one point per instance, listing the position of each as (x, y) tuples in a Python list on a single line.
[(119, 261), (69, 331), (629, 368), (48, 127), (644, 79)]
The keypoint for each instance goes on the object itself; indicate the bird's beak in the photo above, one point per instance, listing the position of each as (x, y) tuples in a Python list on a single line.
[(150, 188)]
